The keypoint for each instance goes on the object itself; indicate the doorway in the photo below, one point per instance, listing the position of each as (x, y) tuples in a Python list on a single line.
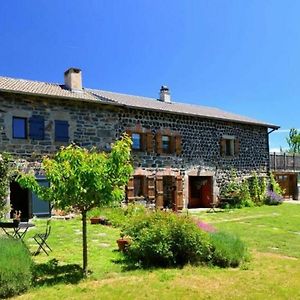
[(200, 191), (169, 196), (19, 200)]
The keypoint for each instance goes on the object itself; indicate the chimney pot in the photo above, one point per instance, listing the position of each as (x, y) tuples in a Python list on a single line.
[(73, 79), (164, 94)]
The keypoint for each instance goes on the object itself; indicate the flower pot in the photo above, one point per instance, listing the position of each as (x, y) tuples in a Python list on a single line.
[(16, 222), (95, 220), (122, 244)]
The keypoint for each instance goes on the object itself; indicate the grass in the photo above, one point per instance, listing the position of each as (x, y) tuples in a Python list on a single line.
[(272, 234)]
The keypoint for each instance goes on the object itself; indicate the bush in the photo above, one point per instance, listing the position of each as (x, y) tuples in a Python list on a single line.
[(165, 239), (273, 198), (227, 250), (15, 267), (118, 216)]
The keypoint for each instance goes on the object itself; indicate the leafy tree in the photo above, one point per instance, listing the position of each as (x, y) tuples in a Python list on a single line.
[(5, 172), (293, 141), (84, 179)]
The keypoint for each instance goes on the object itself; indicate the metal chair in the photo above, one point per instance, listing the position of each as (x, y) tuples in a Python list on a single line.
[(41, 239)]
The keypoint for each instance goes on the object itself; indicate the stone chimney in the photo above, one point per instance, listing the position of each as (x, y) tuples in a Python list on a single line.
[(73, 80), (164, 94)]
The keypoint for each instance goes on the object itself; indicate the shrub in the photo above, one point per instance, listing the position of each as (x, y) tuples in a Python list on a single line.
[(15, 267), (258, 188), (5, 172), (166, 239), (275, 185), (227, 250), (272, 198)]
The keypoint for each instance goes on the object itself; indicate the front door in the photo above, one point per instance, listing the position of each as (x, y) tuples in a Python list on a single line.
[(200, 191)]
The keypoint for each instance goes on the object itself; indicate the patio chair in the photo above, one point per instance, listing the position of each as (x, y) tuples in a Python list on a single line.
[(41, 239)]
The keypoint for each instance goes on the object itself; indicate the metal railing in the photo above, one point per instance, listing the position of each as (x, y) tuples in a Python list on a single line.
[(285, 162)]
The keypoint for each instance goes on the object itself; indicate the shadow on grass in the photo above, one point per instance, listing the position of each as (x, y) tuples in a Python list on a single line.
[(52, 273)]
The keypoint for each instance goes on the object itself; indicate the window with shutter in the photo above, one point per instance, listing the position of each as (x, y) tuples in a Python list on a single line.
[(229, 146), (19, 128), (37, 127), (61, 131)]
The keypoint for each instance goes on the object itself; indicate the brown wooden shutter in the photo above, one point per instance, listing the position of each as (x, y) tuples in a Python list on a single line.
[(143, 141), (222, 147), (236, 147), (151, 188), (179, 193), (172, 144), (159, 149), (149, 138), (159, 192), (130, 189), (178, 142), (129, 132)]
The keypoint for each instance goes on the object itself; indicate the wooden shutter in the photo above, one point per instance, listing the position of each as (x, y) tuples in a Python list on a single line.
[(130, 189), (178, 142), (151, 188), (172, 144), (159, 192), (179, 193), (149, 141), (37, 127), (159, 149), (222, 147), (236, 147), (61, 131), (143, 141)]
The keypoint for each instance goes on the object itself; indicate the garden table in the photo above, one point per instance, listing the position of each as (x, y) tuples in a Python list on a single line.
[(19, 229)]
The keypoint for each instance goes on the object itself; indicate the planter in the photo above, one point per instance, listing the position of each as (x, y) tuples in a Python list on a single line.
[(16, 222), (95, 220), (122, 244)]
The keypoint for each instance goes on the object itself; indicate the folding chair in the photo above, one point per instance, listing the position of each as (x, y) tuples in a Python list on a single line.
[(41, 240)]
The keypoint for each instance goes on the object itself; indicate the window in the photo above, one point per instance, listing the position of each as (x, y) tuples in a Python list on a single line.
[(19, 128), (229, 146), (61, 131), (136, 141), (166, 144), (36, 127)]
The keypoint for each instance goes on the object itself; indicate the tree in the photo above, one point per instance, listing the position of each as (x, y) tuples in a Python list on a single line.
[(293, 141), (84, 179)]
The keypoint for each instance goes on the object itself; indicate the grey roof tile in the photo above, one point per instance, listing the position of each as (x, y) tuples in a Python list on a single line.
[(59, 91)]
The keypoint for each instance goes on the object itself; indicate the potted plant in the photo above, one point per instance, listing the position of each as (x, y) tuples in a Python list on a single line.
[(123, 242), (17, 217)]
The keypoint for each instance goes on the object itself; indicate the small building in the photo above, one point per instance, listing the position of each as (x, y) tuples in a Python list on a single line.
[(183, 154)]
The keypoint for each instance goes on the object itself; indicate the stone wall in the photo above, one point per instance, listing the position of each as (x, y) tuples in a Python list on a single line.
[(98, 125)]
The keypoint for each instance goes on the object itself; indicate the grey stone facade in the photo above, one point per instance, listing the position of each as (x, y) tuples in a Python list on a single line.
[(99, 125)]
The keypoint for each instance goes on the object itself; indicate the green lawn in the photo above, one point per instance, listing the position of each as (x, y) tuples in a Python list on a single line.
[(271, 233)]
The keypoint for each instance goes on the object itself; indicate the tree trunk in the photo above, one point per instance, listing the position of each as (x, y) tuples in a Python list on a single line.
[(84, 243)]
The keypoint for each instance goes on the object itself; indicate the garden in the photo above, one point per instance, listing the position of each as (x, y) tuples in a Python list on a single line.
[(232, 253)]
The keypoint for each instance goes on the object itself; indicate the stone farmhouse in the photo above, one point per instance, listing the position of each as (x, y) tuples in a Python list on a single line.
[(182, 153)]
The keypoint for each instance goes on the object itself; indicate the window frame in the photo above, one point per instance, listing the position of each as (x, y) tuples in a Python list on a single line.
[(167, 150), (229, 146), (25, 128)]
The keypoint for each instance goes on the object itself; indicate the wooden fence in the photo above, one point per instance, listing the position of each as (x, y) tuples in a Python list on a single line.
[(285, 162)]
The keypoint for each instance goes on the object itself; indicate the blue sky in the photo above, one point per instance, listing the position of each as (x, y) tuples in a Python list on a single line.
[(241, 56)]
